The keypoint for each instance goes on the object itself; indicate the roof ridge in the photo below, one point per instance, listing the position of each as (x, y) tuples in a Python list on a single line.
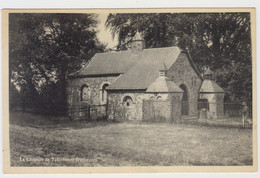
[(123, 51), (163, 48), (115, 52)]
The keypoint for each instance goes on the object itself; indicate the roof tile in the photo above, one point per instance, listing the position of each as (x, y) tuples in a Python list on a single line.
[(147, 67)]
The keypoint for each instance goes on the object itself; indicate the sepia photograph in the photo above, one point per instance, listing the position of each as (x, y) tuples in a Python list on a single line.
[(131, 88)]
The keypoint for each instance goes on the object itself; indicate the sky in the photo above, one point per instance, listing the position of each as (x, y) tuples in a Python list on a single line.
[(104, 35)]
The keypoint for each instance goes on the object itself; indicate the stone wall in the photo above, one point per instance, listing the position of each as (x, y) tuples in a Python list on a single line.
[(95, 84), (168, 110), (117, 110), (157, 111), (176, 106), (165, 108), (114, 108), (216, 104), (183, 73)]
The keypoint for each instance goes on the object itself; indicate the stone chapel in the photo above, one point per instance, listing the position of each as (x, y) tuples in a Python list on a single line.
[(118, 84)]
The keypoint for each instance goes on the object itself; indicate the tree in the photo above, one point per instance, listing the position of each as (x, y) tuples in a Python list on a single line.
[(154, 27), (44, 48), (220, 41)]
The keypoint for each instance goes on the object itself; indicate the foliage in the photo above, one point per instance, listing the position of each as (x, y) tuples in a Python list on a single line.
[(44, 48), (220, 41)]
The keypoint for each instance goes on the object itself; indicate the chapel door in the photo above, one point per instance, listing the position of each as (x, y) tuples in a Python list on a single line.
[(185, 101)]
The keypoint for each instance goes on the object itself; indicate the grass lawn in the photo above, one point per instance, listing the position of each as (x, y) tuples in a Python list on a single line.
[(37, 140)]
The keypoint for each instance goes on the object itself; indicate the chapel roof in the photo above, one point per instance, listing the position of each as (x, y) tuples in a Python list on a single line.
[(108, 63), (139, 70), (135, 71), (164, 84), (210, 86), (122, 61), (146, 69)]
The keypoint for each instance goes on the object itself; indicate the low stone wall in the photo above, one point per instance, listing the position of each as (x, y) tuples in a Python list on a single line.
[(116, 109), (157, 111), (98, 112), (143, 108)]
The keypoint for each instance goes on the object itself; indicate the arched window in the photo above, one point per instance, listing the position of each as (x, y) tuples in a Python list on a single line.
[(159, 98), (85, 93), (127, 101), (104, 93), (151, 98)]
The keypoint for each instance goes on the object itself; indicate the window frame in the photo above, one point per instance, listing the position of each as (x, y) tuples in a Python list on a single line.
[(102, 92), (126, 103), (81, 93)]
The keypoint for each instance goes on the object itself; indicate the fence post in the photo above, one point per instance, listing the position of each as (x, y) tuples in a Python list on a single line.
[(171, 111), (88, 109), (106, 108), (244, 112)]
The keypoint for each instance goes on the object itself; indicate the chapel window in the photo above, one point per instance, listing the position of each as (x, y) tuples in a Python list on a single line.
[(104, 93), (151, 98), (159, 98), (85, 93), (127, 101)]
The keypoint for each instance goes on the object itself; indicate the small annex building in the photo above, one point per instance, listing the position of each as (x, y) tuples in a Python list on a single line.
[(119, 85)]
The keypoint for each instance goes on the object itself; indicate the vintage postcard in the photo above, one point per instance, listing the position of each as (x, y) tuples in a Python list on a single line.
[(129, 91)]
